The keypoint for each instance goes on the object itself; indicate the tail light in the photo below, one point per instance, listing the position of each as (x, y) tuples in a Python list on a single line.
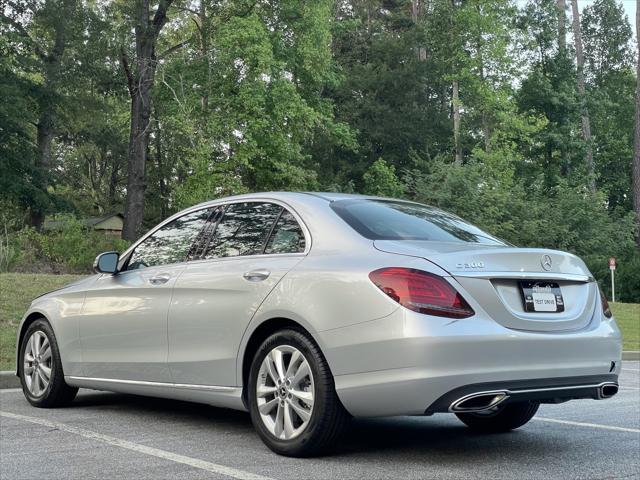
[(421, 292), (605, 304)]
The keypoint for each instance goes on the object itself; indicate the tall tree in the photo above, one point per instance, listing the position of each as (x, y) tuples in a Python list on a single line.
[(54, 22), (636, 152), (140, 80), (610, 77), (549, 89), (586, 123), (607, 38)]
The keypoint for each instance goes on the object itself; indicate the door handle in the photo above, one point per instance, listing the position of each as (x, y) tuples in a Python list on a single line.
[(160, 279), (257, 275)]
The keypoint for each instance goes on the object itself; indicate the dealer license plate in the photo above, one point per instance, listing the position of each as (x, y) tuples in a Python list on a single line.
[(541, 296)]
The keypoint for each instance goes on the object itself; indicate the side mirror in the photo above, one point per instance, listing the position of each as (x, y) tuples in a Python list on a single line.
[(106, 262)]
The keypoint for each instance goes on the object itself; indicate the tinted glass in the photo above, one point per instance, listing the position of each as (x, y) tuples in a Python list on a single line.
[(243, 230), (389, 220), (287, 236), (171, 243)]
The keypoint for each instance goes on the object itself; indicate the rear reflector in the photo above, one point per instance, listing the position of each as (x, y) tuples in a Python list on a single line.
[(421, 292), (605, 304)]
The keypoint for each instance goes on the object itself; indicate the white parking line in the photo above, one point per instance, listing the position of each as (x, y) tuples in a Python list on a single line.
[(583, 424), (154, 452), (630, 369)]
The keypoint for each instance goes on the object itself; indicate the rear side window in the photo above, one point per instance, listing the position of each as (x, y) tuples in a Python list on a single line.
[(171, 243), (287, 236), (243, 230), (395, 220)]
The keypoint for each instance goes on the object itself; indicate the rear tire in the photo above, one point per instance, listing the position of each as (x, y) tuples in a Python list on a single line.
[(509, 417), (40, 368), (296, 411)]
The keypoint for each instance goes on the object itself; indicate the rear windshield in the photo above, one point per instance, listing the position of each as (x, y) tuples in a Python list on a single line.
[(396, 220)]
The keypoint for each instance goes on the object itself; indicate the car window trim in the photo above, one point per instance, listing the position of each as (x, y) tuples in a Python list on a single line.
[(220, 209), (246, 257), (171, 219), (124, 258), (264, 245), (273, 226)]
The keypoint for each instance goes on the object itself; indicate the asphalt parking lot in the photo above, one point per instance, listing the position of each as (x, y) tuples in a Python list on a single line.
[(105, 435)]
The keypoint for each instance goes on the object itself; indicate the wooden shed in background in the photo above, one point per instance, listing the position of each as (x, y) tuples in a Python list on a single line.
[(110, 224)]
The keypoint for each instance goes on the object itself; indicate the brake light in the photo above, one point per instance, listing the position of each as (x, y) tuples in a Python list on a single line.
[(421, 292), (605, 304)]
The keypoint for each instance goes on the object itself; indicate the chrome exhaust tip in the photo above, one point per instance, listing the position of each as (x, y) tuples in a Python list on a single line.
[(477, 402), (607, 390)]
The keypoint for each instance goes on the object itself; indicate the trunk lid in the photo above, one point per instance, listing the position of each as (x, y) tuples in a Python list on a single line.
[(492, 275)]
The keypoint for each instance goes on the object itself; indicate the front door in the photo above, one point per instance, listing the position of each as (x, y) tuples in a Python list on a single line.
[(123, 329)]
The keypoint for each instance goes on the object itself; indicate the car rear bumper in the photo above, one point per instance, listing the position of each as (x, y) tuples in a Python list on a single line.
[(412, 364)]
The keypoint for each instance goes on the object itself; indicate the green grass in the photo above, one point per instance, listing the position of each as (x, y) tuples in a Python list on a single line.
[(16, 292), (18, 289), (628, 318)]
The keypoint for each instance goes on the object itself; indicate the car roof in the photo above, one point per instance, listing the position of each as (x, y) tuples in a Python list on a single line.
[(298, 196)]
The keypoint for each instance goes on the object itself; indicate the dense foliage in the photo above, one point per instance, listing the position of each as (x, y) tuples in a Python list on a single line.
[(471, 105)]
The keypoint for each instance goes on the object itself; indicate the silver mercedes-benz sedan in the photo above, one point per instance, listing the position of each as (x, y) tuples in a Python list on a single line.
[(308, 308)]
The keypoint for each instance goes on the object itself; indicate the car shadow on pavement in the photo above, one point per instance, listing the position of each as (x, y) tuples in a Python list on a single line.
[(421, 439), (151, 407), (428, 435)]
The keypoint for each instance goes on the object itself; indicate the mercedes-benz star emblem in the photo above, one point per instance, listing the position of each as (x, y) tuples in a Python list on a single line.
[(546, 262)]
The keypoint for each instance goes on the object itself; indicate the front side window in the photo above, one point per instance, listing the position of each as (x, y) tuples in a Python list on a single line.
[(396, 220), (287, 236), (171, 243), (243, 230)]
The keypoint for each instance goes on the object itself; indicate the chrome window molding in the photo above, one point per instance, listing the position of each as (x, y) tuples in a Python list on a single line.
[(305, 230)]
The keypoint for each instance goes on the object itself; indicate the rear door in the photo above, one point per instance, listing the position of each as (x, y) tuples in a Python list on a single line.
[(123, 328), (253, 246)]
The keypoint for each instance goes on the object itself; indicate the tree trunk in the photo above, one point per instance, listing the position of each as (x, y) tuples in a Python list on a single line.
[(204, 51), (586, 124), (417, 10), (562, 30), (561, 8), (113, 180), (44, 138), (455, 101), (162, 184), (140, 82), (635, 174), (138, 150), (484, 117), (486, 132)]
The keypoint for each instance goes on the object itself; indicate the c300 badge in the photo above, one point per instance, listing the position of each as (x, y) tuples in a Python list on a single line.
[(470, 265)]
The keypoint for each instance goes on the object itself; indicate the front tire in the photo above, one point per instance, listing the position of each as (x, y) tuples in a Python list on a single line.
[(509, 417), (40, 368), (292, 399)]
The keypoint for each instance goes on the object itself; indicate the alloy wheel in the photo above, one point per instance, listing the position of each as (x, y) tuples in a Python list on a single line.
[(37, 363), (285, 392)]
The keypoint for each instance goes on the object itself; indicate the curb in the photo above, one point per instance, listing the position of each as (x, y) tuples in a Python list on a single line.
[(631, 355), (8, 379)]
